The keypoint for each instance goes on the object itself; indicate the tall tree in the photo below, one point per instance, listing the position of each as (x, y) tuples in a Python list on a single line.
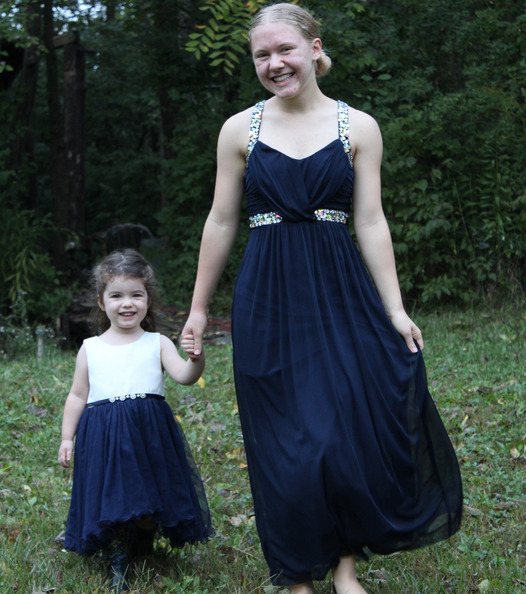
[(74, 116), (56, 140), (21, 130)]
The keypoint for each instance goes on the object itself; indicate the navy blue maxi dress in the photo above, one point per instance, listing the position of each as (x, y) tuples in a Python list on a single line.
[(346, 451)]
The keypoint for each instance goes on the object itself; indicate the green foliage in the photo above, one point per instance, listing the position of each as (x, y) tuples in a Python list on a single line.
[(12, 15), (189, 179), (453, 187), (3, 64), (447, 84), (18, 338), (190, 186), (223, 38), (122, 122), (27, 274), (446, 81)]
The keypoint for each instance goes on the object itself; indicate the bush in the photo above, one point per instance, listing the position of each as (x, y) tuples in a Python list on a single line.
[(27, 274)]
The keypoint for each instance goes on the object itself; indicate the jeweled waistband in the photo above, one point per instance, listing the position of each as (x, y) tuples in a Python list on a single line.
[(114, 399), (322, 214)]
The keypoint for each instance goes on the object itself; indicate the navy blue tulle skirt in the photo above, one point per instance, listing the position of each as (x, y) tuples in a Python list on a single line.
[(132, 462)]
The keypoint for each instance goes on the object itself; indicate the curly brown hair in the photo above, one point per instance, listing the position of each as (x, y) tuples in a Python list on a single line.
[(128, 263)]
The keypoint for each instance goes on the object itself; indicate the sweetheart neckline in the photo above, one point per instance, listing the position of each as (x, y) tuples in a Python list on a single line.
[(301, 158)]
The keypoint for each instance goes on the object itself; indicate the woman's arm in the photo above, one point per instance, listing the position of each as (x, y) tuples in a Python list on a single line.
[(221, 226), (75, 405), (370, 224)]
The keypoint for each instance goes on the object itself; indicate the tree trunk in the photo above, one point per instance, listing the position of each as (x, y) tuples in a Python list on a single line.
[(111, 10), (166, 19), (74, 100), (23, 143), (56, 132)]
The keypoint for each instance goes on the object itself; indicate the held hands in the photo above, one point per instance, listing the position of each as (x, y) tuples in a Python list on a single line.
[(65, 452), (192, 335), (408, 330), (188, 346)]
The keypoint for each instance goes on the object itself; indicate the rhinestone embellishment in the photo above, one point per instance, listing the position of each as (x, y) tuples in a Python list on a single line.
[(255, 124), (322, 214), (343, 128), (126, 397), (266, 218), (332, 216)]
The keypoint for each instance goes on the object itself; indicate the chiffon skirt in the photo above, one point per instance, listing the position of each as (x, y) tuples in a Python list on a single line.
[(132, 461), (346, 451)]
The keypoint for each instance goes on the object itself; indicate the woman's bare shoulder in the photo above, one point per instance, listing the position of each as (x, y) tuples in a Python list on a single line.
[(238, 122), (364, 132), (361, 120), (235, 131)]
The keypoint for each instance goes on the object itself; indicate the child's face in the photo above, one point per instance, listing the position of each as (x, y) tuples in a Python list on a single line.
[(125, 301)]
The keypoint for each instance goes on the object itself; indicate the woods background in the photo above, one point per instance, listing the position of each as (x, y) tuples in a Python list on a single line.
[(110, 112)]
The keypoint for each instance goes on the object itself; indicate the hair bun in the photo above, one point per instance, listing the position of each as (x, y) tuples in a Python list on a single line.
[(324, 64)]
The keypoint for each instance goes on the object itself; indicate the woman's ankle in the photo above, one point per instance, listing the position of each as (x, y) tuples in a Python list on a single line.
[(345, 578), (304, 588)]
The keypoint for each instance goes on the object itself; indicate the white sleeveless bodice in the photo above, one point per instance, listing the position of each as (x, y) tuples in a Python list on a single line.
[(122, 370)]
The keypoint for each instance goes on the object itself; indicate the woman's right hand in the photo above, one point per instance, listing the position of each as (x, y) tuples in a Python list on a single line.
[(196, 326)]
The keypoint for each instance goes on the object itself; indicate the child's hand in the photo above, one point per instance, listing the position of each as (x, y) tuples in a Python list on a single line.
[(196, 326), (65, 452), (188, 346)]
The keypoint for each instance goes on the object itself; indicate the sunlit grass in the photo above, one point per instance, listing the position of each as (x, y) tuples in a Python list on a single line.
[(476, 372)]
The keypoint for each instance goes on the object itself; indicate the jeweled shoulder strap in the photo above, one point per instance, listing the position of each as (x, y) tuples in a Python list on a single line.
[(343, 128), (255, 124)]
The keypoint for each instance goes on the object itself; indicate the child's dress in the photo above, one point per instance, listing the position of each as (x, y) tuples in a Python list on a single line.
[(132, 460)]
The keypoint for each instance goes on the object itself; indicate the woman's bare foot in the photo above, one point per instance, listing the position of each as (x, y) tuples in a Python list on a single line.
[(344, 577)]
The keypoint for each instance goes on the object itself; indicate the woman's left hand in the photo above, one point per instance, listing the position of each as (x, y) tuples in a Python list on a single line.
[(408, 330)]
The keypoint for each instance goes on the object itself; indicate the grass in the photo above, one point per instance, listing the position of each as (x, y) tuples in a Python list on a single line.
[(476, 371)]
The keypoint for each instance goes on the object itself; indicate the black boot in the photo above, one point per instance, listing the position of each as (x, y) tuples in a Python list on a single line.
[(118, 569), (118, 560)]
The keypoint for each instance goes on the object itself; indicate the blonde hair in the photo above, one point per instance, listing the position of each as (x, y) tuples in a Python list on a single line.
[(297, 17)]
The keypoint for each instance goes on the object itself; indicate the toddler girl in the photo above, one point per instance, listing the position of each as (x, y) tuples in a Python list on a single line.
[(134, 473)]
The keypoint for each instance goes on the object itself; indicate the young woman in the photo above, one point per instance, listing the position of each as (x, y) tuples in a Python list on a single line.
[(134, 473), (346, 452)]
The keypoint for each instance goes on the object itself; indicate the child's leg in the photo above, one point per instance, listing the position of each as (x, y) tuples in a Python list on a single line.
[(119, 557), (344, 576), (144, 533)]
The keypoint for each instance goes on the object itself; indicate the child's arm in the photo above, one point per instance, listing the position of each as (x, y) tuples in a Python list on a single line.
[(183, 371), (75, 404)]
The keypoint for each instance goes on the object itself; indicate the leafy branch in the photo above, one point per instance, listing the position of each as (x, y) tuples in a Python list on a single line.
[(223, 39)]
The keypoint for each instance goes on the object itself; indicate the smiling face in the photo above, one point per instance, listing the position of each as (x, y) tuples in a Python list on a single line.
[(125, 301), (285, 60)]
